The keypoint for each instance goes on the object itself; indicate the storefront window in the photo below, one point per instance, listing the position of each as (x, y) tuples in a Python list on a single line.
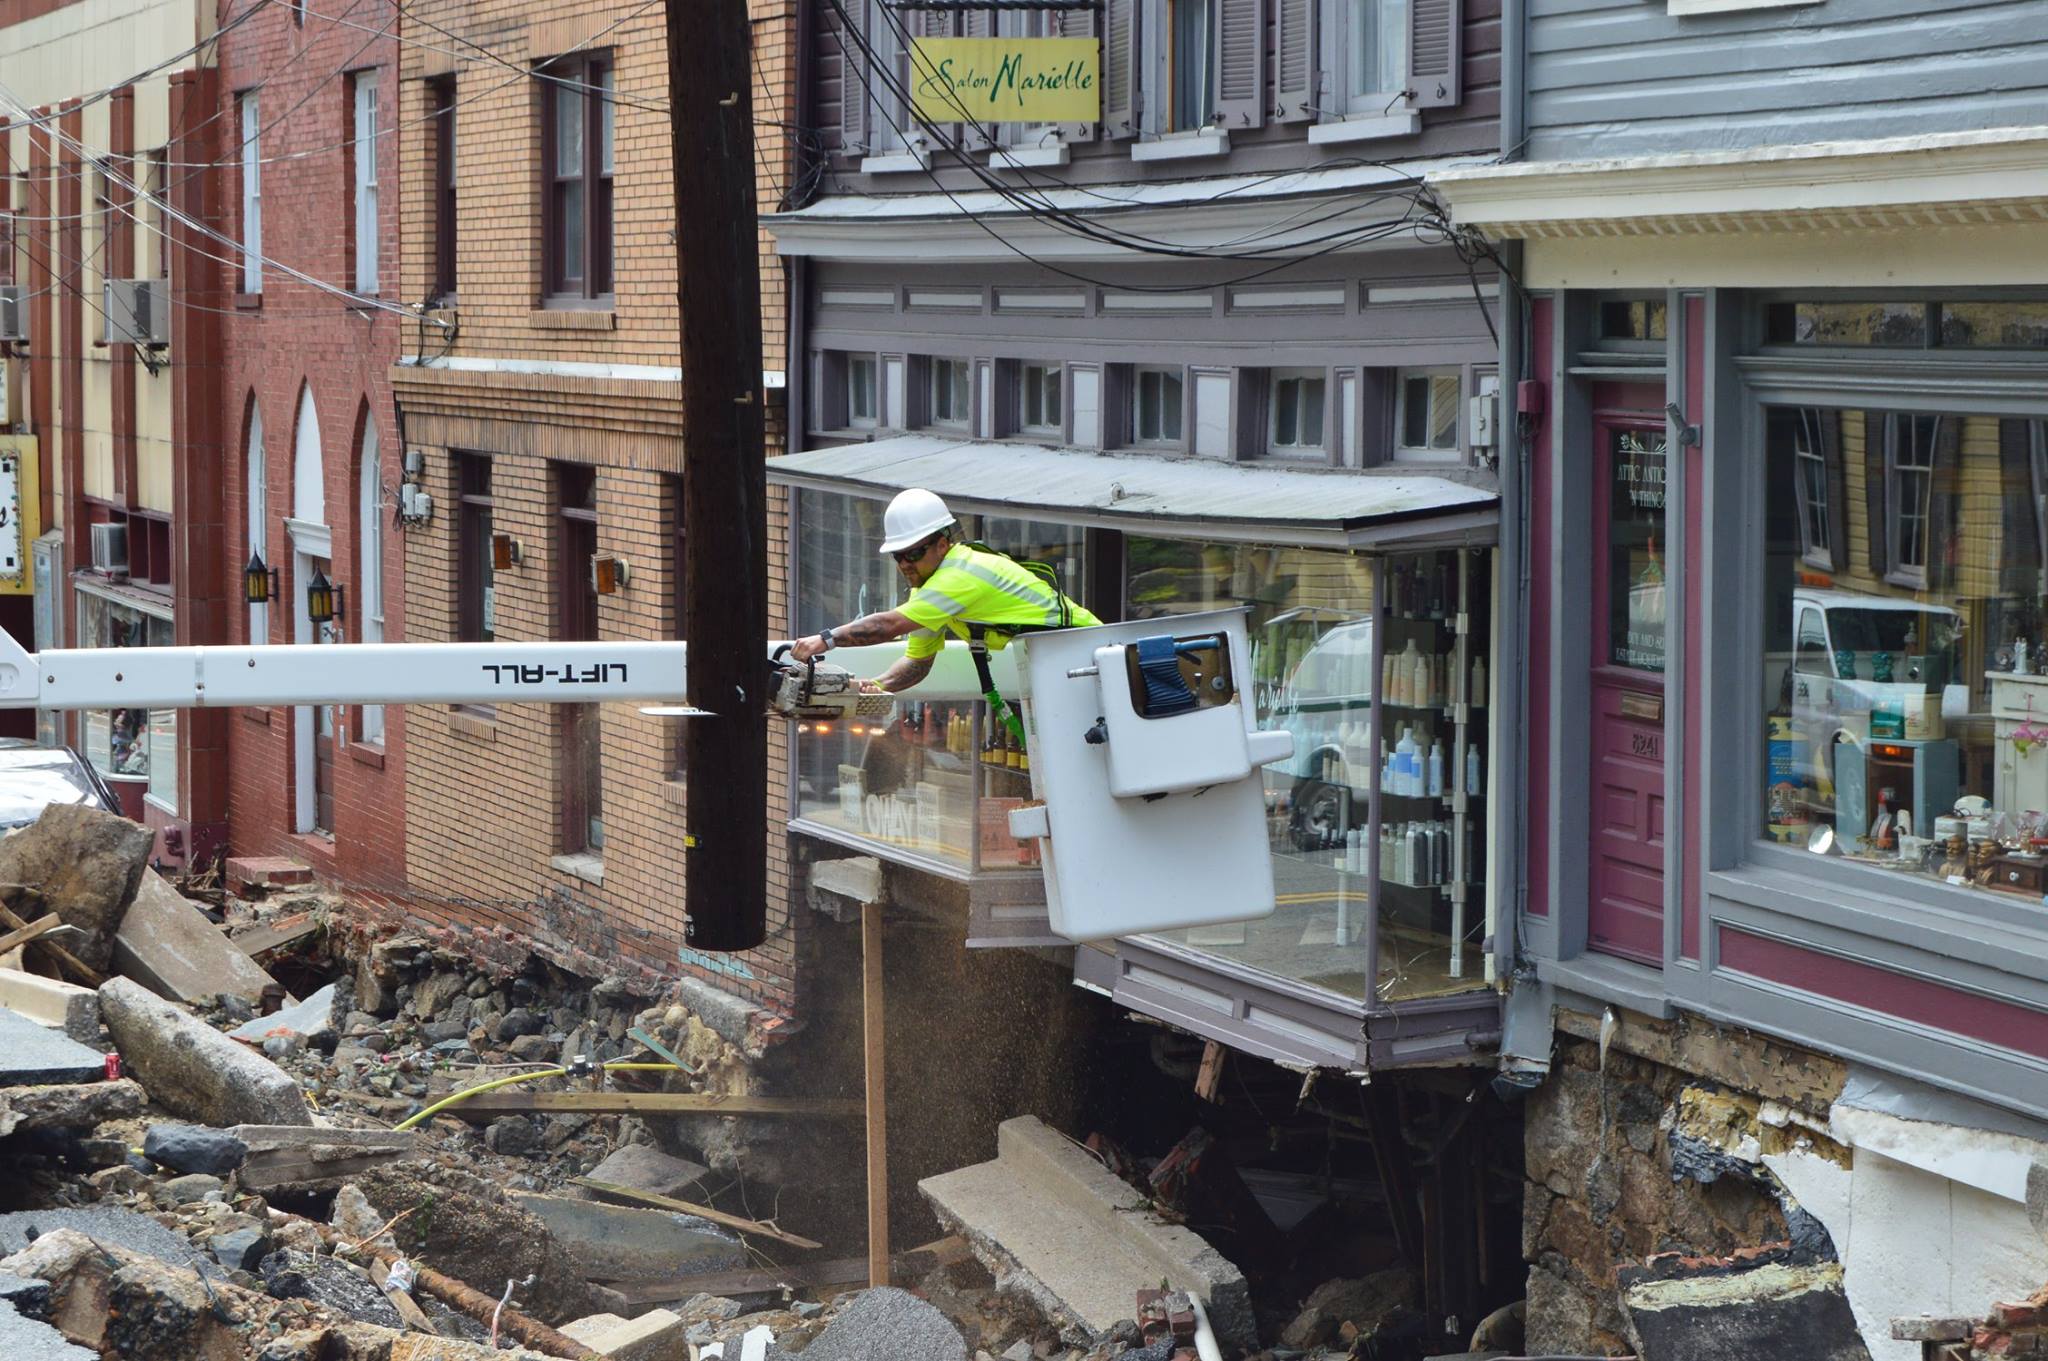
[(1904, 695), (133, 744), (931, 779)]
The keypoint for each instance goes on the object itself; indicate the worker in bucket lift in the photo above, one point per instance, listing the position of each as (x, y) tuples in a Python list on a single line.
[(957, 587)]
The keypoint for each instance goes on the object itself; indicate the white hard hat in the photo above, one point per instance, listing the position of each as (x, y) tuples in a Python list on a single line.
[(913, 516)]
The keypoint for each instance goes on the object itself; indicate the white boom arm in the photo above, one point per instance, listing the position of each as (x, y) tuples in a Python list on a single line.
[(401, 673)]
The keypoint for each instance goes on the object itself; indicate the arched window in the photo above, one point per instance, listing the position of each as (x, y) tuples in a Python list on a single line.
[(370, 560), (256, 480), (309, 488)]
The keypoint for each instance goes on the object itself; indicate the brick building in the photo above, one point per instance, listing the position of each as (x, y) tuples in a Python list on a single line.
[(114, 411), (544, 419), (308, 118)]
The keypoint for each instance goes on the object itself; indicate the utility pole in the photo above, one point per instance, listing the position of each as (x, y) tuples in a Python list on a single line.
[(725, 498)]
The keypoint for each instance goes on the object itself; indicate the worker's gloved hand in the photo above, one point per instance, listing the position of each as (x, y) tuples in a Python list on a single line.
[(872, 687), (803, 649)]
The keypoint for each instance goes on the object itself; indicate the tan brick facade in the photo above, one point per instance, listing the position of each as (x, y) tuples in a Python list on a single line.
[(483, 792)]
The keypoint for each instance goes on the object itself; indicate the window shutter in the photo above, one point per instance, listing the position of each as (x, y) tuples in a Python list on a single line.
[(2019, 557), (928, 23), (1240, 63), (853, 85), (1874, 492), (1943, 501), (1294, 60), (1434, 52), (1120, 69), (1838, 497), (1079, 23)]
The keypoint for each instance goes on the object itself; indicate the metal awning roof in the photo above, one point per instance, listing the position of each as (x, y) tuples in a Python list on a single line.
[(1178, 497)]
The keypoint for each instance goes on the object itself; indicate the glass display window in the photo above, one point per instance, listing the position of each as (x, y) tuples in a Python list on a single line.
[(1903, 694), (934, 781), (137, 744)]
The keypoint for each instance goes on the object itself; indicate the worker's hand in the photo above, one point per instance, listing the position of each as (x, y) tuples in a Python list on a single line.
[(803, 649), (873, 687)]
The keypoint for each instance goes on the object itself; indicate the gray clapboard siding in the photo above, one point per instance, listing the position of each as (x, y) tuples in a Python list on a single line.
[(1625, 78)]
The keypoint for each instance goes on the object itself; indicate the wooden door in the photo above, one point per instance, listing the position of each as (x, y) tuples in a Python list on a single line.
[(1626, 873)]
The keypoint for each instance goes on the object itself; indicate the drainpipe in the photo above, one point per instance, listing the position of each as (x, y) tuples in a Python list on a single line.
[(1507, 777)]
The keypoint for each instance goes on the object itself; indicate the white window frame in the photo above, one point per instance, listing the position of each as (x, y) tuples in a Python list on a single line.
[(252, 192), (1354, 96), (370, 564), (1899, 474), (959, 397), (856, 419), (890, 127), (1816, 509), (366, 181), (1164, 373), (256, 495), (1051, 384), (1159, 36), (1298, 404), (1427, 452)]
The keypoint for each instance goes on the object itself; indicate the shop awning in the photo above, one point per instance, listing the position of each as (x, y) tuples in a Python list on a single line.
[(1174, 497)]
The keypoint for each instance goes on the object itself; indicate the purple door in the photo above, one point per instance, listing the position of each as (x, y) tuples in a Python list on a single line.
[(1626, 878)]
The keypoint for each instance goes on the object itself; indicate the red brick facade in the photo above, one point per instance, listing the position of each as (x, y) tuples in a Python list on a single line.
[(282, 345)]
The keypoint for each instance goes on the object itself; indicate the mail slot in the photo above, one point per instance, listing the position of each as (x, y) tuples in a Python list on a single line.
[(1646, 708)]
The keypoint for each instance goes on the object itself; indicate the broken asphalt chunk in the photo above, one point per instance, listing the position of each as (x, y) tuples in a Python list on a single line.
[(194, 1148)]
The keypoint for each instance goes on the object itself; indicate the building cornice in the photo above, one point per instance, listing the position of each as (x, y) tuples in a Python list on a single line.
[(1993, 177)]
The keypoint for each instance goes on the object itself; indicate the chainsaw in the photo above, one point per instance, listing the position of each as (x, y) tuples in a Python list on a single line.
[(808, 690)]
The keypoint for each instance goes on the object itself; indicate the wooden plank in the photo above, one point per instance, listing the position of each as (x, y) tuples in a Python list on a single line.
[(277, 932), (874, 1054), (1209, 1077), (416, 1319), (745, 1226), (79, 969), (40, 926), (728, 1284), (491, 1105)]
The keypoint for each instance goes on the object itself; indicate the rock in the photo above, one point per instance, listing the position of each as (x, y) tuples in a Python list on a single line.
[(532, 1048), (514, 1023), (167, 944), (653, 1336), (191, 1069), (325, 1280), (711, 1307), (435, 994), (86, 863), (617, 1243), (68, 1106), (439, 1032), (892, 1323), (240, 1249), (190, 1187), (646, 1168), (513, 1136), (1367, 1303), (375, 995), (194, 1148)]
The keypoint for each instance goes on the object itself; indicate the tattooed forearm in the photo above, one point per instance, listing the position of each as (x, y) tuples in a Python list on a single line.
[(905, 674), (884, 627)]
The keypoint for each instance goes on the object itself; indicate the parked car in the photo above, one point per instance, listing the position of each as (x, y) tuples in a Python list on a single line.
[(33, 777)]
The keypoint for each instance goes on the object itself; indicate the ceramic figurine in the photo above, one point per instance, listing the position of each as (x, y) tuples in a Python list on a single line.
[(1881, 667), (1845, 665), (2022, 664)]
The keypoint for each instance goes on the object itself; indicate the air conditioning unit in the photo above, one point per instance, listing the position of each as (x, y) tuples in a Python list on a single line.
[(13, 312), (110, 550), (138, 312)]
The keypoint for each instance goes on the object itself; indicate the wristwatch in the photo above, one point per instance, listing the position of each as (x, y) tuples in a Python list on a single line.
[(828, 640)]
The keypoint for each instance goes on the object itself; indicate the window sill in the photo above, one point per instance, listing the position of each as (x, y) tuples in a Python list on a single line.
[(370, 754), (261, 716), (585, 866), (1029, 158), (1426, 457), (249, 302), (474, 727), (1183, 146), (675, 793), (575, 316), (1368, 128), (1681, 8), (896, 163)]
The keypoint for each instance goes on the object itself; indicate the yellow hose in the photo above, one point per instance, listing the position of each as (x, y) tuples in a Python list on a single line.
[(456, 1098)]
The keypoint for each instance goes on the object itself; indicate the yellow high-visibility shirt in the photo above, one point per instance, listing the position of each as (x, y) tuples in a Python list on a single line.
[(971, 588)]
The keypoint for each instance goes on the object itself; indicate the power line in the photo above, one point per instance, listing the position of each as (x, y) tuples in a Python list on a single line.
[(37, 119)]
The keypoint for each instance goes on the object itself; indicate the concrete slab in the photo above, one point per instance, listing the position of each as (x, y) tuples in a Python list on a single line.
[(191, 1069), (888, 1322), (33, 1055), (616, 1243), (656, 1335), (168, 945), (264, 871), (1737, 1316), (1051, 1223), (646, 1168), (52, 1002), (106, 1224)]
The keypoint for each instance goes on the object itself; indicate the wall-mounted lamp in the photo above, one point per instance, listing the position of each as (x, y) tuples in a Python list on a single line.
[(259, 583), (505, 551), (1688, 435), (323, 599), (609, 575)]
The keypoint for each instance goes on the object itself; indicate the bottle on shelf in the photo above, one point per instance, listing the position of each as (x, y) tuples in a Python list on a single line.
[(1479, 680), (1472, 771), (1419, 681), (1405, 763), (1436, 769)]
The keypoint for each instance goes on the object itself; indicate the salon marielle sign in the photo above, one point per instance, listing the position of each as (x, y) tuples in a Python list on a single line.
[(1006, 80)]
